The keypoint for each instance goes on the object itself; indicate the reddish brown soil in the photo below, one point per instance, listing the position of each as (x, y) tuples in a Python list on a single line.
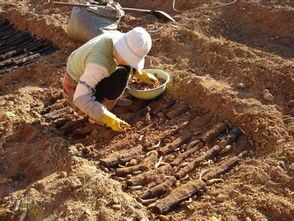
[(138, 85), (221, 62)]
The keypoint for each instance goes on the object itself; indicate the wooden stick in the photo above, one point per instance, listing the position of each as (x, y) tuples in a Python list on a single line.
[(148, 126), (138, 115), (176, 143), (169, 132), (150, 176), (146, 164), (192, 165), (16, 37), (215, 150), (10, 54), (187, 153), (162, 106), (193, 187), (7, 33), (215, 131), (70, 126), (57, 113), (159, 189), (24, 39), (179, 195), (4, 22), (225, 167), (138, 105), (122, 156), (26, 59), (177, 110)]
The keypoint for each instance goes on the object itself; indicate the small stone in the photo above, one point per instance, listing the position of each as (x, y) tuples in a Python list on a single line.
[(9, 115), (79, 146), (247, 219), (63, 174), (139, 205), (267, 96), (282, 165), (86, 151), (36, 122), (241, 86), (133, 162), (116, 206), (40, 186), (220, 197), (291, 169), (160, 115), (115, 201), (1, 126), (163, 218), (5, 181), (73, 150), (75, 183), (291, 103)]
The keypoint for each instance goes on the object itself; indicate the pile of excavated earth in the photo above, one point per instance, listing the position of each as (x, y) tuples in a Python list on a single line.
[(217, 145)]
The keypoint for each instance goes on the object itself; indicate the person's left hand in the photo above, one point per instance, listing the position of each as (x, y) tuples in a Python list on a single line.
[(146, 77)]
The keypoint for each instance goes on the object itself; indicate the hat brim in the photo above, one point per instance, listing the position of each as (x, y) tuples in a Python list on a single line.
[(126, 54)]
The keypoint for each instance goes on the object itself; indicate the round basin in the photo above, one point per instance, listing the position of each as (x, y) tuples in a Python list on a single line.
[(151, 93)]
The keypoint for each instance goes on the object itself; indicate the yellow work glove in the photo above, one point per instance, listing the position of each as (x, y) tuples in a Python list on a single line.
[(145, 77), (112, 121)]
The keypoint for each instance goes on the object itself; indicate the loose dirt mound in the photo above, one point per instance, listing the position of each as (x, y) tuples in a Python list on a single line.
[(231, 64)]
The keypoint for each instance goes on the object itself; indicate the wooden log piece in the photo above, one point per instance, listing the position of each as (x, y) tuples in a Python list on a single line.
[(47, 50), (10, 54), (4, 22), (187, 153), (70, 126), (149, 176), (26, 59), (16, 37), (159, 189), (225, 167), (170, 132), (176, 143), (179, 195), (192, 165), (6, 62), (25, 39), (35, 45), (57, 113), (6, 34), (162, 106), (214, 132), (122, 156), (233, 135), (23, 45), (147, 163), (139, 114), (177, 110), (138, 105)]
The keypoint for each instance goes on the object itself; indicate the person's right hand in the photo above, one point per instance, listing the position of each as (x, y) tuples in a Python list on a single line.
[(145, 77), (115, 123)]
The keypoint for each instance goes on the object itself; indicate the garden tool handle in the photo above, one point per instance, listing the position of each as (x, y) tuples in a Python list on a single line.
[(88, 5), (137, 10), (71, 4)]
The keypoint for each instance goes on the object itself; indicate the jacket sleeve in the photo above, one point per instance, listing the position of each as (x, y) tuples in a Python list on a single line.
[(83, 96)]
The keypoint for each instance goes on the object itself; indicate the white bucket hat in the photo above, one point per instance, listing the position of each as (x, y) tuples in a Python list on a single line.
[(133, 46)]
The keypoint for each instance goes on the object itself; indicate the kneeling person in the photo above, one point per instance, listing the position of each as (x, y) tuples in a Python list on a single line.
[(98, 72)]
